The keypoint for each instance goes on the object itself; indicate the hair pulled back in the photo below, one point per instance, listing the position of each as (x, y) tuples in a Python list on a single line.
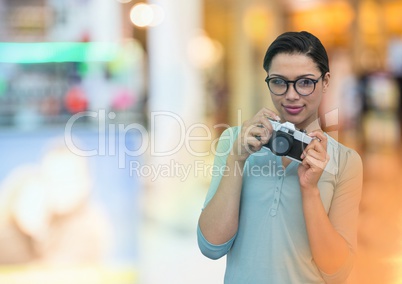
[(298, 43)]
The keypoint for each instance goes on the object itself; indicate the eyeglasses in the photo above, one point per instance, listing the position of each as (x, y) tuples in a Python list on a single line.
[(303, 86)]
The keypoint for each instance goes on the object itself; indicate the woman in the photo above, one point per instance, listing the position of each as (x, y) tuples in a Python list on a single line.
[(280, 221)]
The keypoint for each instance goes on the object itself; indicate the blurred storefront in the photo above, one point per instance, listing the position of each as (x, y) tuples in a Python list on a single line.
[(63, 57), (70, 82)]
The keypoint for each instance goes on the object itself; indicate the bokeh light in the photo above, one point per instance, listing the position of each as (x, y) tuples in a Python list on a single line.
[(204, 52), (145, 15), (158, 15)]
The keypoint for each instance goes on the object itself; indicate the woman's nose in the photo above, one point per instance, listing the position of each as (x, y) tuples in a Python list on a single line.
[(291, 93)]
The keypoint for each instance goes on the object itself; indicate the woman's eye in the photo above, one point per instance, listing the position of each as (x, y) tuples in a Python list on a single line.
[(305, 83), (278, 81)]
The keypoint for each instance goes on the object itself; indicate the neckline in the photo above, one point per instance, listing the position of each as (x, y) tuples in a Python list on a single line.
[(288, 167)]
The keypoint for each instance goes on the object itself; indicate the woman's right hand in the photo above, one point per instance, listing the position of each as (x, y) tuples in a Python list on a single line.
[(255, 132)]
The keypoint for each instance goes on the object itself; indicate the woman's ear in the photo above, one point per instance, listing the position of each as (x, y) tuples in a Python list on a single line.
[(325, 82)]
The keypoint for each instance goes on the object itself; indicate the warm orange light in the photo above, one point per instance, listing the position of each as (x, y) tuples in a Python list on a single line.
[(392, 17), (369, 18), (257, 22), (325, 19), (371, 24), (340, 17)]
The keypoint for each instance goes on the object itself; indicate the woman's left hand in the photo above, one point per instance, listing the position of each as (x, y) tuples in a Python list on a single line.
[(314, 160)]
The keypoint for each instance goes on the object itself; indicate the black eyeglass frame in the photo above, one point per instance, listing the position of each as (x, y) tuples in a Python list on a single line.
[(315, 81)]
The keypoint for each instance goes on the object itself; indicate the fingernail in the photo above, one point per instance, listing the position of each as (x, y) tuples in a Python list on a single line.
[(278, 118)]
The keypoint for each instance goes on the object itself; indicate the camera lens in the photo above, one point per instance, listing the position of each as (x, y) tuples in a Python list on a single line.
[(281, 144)]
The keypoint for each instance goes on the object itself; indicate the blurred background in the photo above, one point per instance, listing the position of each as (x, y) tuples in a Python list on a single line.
[(110, 111)]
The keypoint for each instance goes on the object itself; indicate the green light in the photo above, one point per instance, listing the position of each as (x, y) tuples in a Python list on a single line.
[(57, 52)]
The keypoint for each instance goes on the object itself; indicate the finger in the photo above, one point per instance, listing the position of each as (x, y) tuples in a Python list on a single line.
[(262, 138), (315, 163), (263, 132), (253, 144), (268, 120), (305, 163), (318, 133), (314, 147), (317, 145), (319, 136), (270, 114), (262, 121), (263, 116), (260, 133), (314, 154)]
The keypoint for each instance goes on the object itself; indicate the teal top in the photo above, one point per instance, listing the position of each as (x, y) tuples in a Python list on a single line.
[(271, 244)]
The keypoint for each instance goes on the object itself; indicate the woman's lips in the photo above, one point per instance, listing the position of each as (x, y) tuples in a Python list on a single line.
[(293, 110)]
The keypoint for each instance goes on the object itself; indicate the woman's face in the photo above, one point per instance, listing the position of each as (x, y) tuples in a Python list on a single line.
[(299, 110)]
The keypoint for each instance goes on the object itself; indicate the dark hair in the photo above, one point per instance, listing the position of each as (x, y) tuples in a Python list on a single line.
[(298, 43)]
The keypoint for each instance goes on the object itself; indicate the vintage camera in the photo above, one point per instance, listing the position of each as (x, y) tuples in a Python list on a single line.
[(287, 141)]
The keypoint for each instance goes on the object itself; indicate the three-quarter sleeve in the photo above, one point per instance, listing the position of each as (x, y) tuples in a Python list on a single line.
[(223, 150), (210, 250), (344, 209)]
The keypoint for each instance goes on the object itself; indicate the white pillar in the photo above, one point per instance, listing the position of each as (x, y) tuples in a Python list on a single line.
[(174, 84), (175, 104), (172, 201)]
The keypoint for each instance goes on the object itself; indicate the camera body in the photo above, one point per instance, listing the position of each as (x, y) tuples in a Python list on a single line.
[(287, 141)]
